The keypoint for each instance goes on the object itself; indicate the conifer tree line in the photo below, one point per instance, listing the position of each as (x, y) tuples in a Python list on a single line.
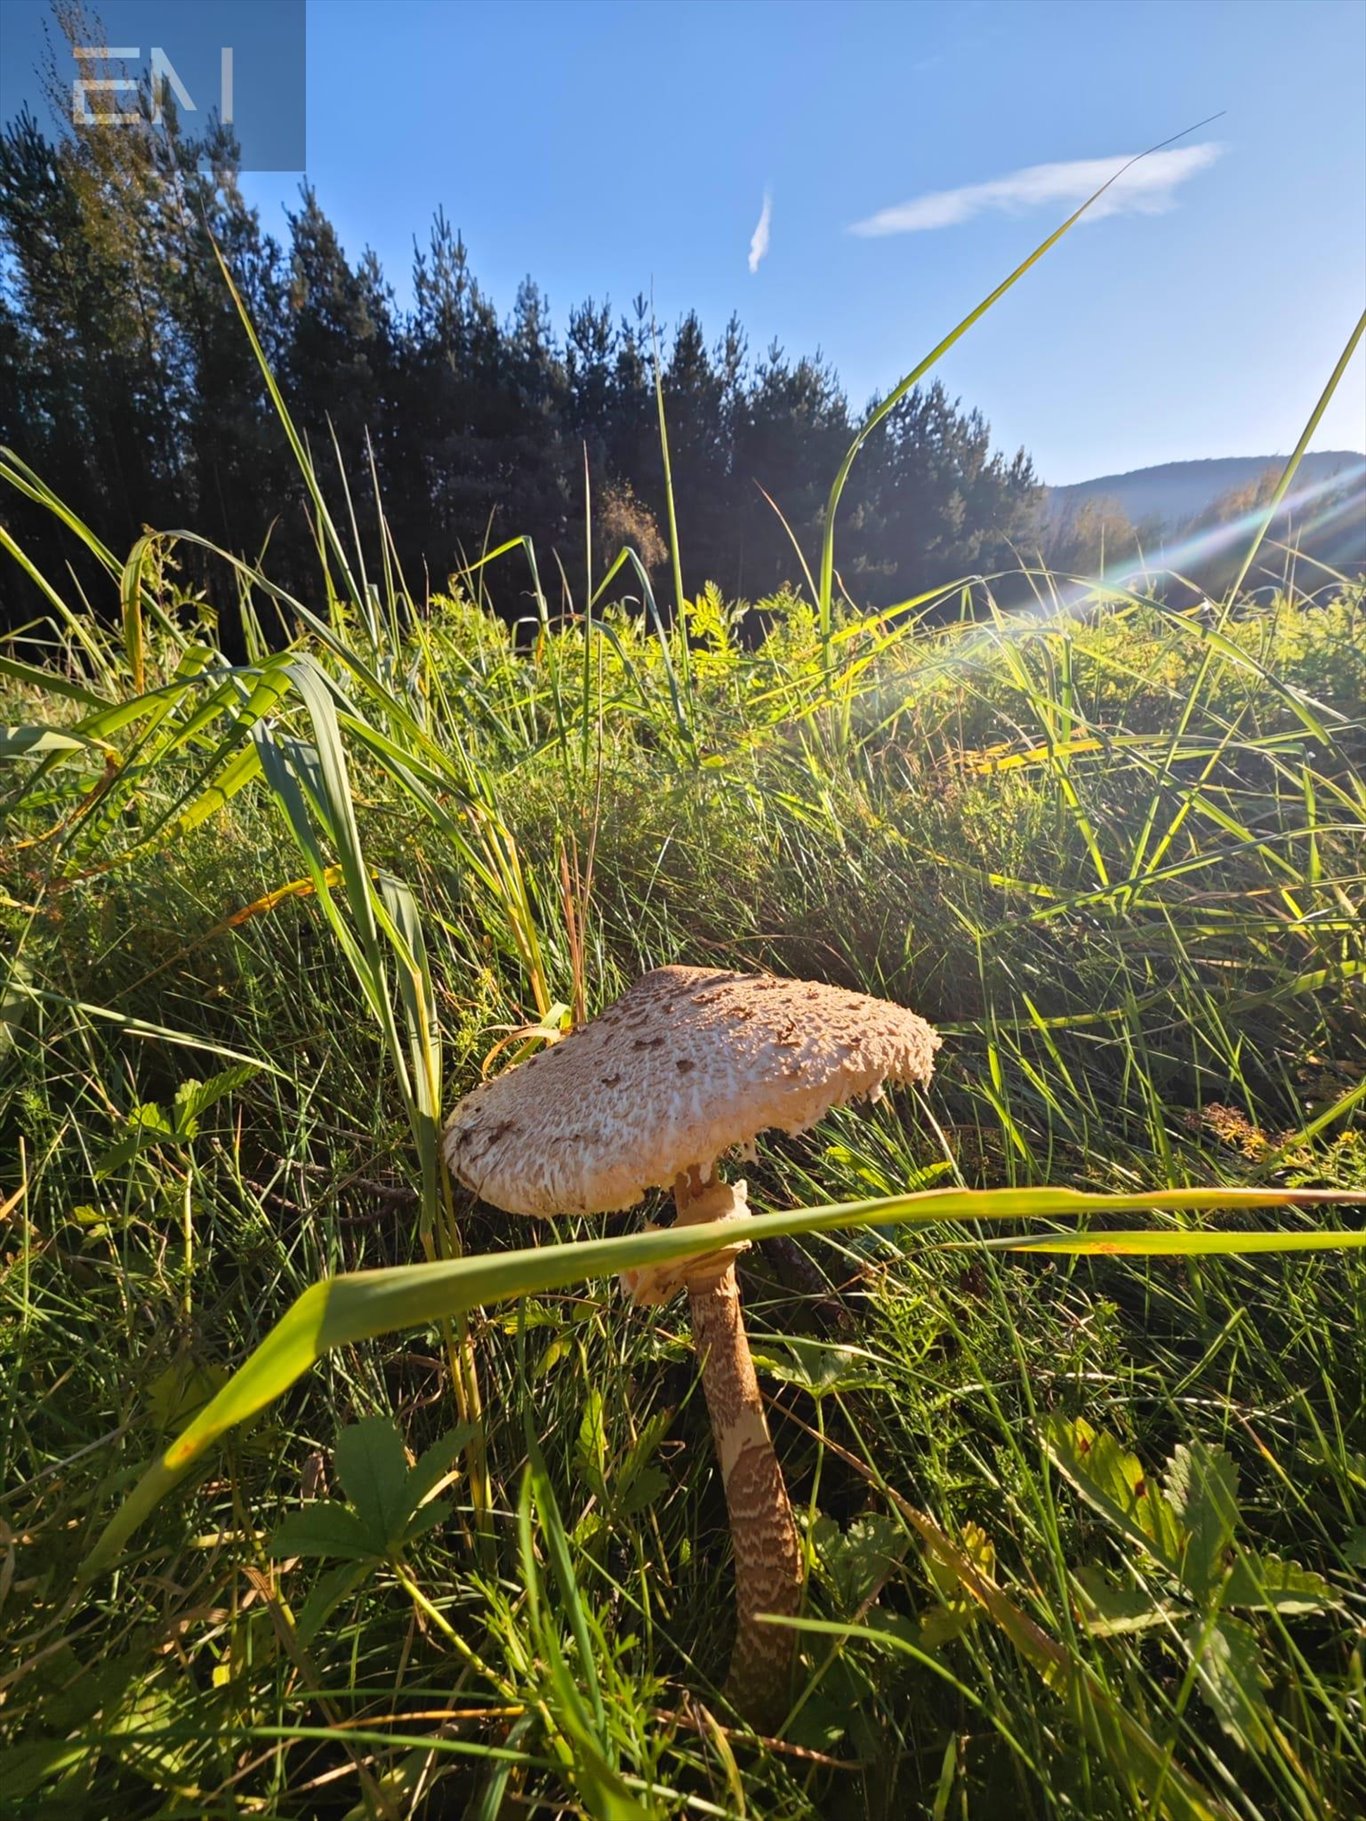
[(128, 383)]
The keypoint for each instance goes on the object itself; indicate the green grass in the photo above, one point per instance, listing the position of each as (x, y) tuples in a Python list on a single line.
[(1114, 853), (1085, 1506)]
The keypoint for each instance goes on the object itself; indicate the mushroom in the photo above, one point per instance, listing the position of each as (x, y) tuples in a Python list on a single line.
[(688, 1064)]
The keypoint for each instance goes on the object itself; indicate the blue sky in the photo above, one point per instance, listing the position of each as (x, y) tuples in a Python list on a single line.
[(610, 148)]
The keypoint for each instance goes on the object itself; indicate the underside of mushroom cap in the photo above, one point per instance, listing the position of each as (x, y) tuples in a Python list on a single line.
[(688, 1064)]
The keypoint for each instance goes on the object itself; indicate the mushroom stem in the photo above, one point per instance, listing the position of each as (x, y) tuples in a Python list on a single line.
[(768, 1551)]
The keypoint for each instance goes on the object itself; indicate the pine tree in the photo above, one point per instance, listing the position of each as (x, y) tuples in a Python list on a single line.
[(127, 381)]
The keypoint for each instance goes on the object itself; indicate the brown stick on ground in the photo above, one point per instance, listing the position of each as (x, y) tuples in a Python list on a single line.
[(768, 1550)]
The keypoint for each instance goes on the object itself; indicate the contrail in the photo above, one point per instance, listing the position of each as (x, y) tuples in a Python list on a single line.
[(758, 245)]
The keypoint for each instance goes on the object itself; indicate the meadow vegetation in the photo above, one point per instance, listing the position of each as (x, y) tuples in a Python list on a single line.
[(432, 1525), (1086, 1527)]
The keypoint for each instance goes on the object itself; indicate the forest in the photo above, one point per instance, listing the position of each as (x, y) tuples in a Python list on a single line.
[(126, 381)]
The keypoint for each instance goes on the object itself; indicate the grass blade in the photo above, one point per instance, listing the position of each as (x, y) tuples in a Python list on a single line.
[(364, 1304)]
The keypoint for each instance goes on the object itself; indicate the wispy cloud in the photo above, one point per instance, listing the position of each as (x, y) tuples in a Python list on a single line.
[(1146, 188), (758, 242)]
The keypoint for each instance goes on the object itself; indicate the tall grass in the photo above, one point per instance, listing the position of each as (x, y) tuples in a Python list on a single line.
[(1083, 1503)]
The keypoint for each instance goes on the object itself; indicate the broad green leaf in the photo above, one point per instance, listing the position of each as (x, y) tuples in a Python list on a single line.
[(283, 764), (434, 1512), (979, 1549), (327, 1592), (1267, 1582), (151, 1119), (824, 1718), (148, 1741), (1202, 1488), (241, 769), (183, 1121), (640, 1454), (591, 1450), (194, 1098), (94, 1224), (26, 1767), (148, 1125), (326, 1528), (819, 1367), (558, 1347), (373, 1469), (153, 707), (861, 1558), (362, 1304), (76, 1690), (941, 1625), (1229, 1672), (1109, 1610), (642, 1492), (975, 1548)]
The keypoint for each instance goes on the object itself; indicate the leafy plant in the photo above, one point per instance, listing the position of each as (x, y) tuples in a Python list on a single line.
[(378, 1302), (150, 1124), (389, 1504), (1192, 1578)]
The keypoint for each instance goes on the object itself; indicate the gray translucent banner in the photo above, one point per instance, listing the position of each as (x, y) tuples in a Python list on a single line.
[(240, 63)]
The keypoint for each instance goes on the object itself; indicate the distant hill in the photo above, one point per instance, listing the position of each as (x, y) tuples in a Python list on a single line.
[(1176, 492)]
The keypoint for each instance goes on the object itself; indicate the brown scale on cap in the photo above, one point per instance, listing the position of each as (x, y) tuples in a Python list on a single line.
[(689, 1064)]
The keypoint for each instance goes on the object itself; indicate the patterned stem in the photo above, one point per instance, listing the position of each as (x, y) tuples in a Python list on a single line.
[(768, 1551)]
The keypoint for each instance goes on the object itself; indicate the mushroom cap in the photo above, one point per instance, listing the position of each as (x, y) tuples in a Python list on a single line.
[(689, 1063)]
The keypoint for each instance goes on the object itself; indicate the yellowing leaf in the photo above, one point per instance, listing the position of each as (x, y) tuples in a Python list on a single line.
[(1115, 1484)]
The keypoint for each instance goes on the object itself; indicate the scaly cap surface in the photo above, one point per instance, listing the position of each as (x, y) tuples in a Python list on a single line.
[(690, 1063)]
